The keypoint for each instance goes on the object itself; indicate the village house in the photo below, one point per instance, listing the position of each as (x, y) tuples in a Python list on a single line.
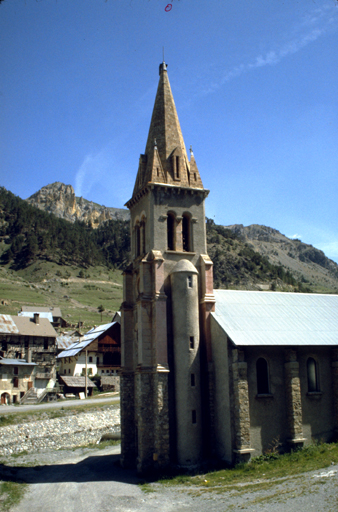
[(210, 373), (16, 378), (34, 340), (52, 313), (99, 350)]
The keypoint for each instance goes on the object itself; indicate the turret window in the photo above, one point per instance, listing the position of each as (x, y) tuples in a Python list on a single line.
[(191, 342), (189, 281), (193, 417)]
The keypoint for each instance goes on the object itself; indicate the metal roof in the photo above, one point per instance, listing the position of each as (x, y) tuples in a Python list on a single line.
[(26, 326), (77, 382), (86, 340), (56, 311), (30, 314), (15, 362), (64, 341), (274, 318), (7, 325)]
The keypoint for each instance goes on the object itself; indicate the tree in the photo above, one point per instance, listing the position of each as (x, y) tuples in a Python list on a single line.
[(101, 310)]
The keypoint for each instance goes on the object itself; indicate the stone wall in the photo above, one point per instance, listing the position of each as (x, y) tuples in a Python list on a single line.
[(68, 432)]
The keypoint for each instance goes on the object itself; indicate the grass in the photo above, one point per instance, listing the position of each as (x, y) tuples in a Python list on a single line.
[(10, 494), (264, 469), (48, 284)]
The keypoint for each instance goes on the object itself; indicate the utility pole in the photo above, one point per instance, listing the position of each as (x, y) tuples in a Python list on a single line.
[(86, 376)]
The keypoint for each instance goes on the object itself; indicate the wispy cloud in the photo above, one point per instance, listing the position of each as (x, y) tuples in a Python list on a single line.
[(296, 236), (315, 25), (92, 171)]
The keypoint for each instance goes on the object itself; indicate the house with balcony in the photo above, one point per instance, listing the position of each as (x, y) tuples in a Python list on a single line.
[(34, 341), (99, 350)]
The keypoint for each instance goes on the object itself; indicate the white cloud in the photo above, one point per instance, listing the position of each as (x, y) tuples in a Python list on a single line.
[(312, 27), (293, 237)]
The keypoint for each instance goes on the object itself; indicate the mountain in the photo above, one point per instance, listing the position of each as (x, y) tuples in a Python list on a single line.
[(29, 234), (252, 256), (60, 200)]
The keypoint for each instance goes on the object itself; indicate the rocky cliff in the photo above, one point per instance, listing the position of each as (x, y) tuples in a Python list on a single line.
[(60, 199), (303, 260)]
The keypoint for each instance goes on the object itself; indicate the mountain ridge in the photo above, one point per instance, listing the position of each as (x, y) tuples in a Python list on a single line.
[(60, 199), (306, 263)]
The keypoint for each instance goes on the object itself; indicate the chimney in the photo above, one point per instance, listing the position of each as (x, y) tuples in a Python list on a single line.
[(36, 318)]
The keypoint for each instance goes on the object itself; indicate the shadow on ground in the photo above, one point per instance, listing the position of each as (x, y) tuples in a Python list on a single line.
[(104, 468)]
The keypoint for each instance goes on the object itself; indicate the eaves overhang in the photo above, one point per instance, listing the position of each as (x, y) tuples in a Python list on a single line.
[(166, 187)]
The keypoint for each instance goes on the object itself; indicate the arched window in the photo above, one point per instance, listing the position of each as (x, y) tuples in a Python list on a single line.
[(186, 234), (143, 235), (312, 375), (262, 377), (137, 240), (171, 232)]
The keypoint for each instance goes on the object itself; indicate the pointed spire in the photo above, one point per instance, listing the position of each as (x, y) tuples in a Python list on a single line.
[(165, 144)]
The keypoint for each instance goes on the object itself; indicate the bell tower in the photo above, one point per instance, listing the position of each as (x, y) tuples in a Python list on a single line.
[(167, 298)]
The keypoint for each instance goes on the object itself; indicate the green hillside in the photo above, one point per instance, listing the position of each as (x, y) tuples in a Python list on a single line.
[(45, 260)]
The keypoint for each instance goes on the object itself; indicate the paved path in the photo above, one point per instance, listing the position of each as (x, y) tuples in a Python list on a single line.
[(12, 409)]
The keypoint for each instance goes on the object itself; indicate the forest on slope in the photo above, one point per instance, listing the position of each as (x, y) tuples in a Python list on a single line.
[(28, 234), (31, 234)]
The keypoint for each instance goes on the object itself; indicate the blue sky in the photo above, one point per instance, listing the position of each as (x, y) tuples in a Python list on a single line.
[(255, 86)]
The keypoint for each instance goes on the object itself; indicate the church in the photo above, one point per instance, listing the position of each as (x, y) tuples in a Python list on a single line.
[(210, 374)]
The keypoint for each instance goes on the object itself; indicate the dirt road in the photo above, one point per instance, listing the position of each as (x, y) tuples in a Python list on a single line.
[(87, 480)]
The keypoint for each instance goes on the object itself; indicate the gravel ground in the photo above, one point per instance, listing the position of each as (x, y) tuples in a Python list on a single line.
[(85, 480)]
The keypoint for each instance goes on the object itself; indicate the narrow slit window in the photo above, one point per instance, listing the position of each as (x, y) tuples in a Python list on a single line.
[(192, 379), (177, 167), (193, 416), (191, 342), (189, 281)]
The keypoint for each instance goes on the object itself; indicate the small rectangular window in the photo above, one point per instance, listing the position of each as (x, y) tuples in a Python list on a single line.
[(192, 342), (192, 378), (193, 416), (45, 344), (189, 281)]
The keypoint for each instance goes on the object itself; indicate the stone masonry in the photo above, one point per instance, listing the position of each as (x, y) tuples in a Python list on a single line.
[(293, 398)]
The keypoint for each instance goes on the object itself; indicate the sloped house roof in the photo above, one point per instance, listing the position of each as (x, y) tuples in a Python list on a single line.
[(26, 326), (86, 340), (55, 311), (252, 318)]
